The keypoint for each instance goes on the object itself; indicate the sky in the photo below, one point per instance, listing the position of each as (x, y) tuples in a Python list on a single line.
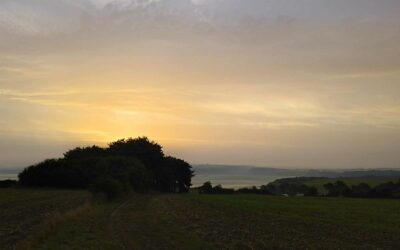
[(282, 83)]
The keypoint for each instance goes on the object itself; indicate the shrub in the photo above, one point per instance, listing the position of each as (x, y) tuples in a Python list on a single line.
[(52, 173), (360, 190), (311, 191), (8, 183), (338, 188), (207, 188), (220, 190)]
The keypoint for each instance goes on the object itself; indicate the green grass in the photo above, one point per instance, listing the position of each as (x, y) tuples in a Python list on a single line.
[(371, 181), (195, 221), (296, 222), (371, 214), (84, 229), (132, 223)]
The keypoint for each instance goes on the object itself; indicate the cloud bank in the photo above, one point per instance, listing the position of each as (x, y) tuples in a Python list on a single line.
[(267, 82)]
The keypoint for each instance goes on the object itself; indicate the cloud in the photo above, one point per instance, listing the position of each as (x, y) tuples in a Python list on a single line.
[(38, 19), (162, 105), (274, 74)]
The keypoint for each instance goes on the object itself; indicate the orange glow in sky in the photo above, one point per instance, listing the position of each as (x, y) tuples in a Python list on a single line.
[(271, 83)]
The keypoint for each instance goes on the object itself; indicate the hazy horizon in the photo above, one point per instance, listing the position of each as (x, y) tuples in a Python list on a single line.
[(216, 165), (310, 83)]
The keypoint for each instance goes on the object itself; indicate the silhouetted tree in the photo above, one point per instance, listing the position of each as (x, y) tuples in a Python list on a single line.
[(8, 183), (139, 163), (220, 190), (85, 152), (360, 190), (311, 191), (386, 190), (52, 173), (176, 175), (206, 188), (148, 152), (264, 189), (252, 190), (338, 188)]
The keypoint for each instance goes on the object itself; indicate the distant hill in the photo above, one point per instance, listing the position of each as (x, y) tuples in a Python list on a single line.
[(221, 170), (267, 171)]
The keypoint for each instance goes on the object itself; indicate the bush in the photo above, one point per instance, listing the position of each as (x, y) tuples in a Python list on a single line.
[(220, 190), (252, 190), (207, 188), (360, 190), (311, 191), (8, 183), (52, 173), (338, 188)]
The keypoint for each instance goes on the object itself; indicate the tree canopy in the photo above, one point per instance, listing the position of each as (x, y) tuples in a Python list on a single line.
[(134, 163)]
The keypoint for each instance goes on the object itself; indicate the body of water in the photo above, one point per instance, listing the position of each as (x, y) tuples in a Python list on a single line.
[(228, 181), (8, 176), (234, 181)]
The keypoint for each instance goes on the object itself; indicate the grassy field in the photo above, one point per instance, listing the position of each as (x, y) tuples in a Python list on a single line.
[(206, 222), (23, 211), (371, 181)]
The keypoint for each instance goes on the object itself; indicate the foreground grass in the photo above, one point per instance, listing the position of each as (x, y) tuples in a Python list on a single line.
[(226, 222), (86, 228), (131, 223), (23, 211), (373, 214), (255, 222)]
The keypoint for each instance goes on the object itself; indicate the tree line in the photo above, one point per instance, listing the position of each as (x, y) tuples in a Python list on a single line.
[(388, 190), (128, 164), (269, 189), (295, 187)]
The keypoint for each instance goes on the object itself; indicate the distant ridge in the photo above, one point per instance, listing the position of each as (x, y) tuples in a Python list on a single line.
[(237, 170)]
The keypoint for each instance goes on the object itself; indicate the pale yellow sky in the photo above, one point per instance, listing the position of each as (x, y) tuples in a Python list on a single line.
[(274, 83)]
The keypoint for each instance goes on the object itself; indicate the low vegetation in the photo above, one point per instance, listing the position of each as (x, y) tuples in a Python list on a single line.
[(207, 188), (8, 183)]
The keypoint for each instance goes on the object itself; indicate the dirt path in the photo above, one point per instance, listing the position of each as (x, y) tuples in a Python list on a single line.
[(114, 224)]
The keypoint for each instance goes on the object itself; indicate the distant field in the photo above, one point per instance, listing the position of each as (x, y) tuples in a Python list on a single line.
[(371, 181), (254, 222), (204, 222)]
